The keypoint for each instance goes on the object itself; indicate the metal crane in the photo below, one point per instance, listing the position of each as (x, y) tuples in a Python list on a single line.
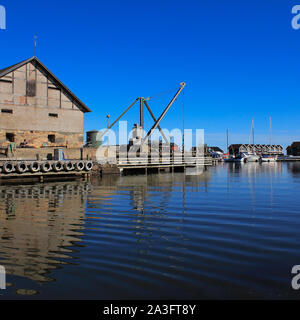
[(156, 124), (156, 121)]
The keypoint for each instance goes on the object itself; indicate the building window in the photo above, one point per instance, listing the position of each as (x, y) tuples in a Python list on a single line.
[(51, 138), (10, 137), (30, 88), (7, 111), (53, 115)]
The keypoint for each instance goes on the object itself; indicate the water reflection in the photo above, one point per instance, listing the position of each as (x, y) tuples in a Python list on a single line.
[(215, 235), (39, 226), (294, 168), (254, 169)]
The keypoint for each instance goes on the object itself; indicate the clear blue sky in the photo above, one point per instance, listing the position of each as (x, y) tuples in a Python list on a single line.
[(240, 59)]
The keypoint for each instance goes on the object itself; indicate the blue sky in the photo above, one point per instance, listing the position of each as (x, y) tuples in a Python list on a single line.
[(240, 59)]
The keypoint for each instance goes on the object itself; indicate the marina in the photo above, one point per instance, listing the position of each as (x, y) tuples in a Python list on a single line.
[(128, 173)]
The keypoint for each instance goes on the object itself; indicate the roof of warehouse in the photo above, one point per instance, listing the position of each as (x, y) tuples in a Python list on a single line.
[(38, 64)]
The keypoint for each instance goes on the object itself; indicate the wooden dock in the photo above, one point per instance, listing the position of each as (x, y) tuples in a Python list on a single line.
[(288, 159), (19, 171), (161, 164)]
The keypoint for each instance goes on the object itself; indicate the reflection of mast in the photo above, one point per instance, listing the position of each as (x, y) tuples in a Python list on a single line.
[(271, 190)]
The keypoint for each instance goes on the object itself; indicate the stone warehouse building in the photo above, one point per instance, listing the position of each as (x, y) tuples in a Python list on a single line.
[(37, 107)]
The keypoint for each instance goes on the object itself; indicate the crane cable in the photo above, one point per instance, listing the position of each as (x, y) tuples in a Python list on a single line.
[(161, 94)]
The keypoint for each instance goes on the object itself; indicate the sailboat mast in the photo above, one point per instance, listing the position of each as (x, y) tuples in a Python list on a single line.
[(270, 120), (253, 141), (227, 139)]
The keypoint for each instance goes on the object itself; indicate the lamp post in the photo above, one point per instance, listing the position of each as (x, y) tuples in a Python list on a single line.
[(108, 116)]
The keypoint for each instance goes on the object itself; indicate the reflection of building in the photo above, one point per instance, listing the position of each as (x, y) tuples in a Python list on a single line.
[(38, 227), (259, 149), (293, 149), (293, 167), (253, 169)]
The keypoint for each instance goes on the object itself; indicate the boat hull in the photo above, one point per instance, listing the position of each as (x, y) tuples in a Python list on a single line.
[(253, 158), (268, 159)]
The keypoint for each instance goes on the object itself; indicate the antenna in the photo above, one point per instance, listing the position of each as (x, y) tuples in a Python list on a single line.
[(35, 43)]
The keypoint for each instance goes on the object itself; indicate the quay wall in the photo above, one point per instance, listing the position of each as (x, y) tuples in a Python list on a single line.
[(38, 138), (46, 153)]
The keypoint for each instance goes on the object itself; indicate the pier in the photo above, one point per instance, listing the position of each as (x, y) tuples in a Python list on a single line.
[(161, 164)]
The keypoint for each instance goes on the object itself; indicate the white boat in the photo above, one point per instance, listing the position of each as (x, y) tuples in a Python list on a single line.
[(252, 158), (268, 158), (240, 158)]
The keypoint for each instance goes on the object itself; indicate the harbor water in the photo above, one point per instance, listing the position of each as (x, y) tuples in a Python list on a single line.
[(232, 232)]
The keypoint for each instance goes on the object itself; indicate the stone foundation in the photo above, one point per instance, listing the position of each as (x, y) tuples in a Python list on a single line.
[(45, 153), (39, 139)]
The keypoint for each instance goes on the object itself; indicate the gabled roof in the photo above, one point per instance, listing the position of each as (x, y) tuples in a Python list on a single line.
[(255, 145), (216, 149), (295, 144), (38, 64)]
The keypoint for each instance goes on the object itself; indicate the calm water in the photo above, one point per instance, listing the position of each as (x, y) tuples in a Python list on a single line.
[(233, 232)]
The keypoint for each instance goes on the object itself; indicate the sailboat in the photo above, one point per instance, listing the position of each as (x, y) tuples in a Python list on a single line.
[(252, 156), (232, 158), (268, 157), (227, 157)]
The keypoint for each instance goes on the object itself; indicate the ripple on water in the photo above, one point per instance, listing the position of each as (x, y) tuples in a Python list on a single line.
[(232, 232)]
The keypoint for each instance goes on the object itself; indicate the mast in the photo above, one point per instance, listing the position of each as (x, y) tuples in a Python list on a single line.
[(227, 139), (253, 141), (270, 121), (252, 133)]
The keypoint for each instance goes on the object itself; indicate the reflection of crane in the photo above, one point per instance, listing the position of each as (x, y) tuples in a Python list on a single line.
[(143, 102)]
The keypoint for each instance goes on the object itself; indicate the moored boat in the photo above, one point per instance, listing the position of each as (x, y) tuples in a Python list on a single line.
[(252, 157), (268, 158)]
